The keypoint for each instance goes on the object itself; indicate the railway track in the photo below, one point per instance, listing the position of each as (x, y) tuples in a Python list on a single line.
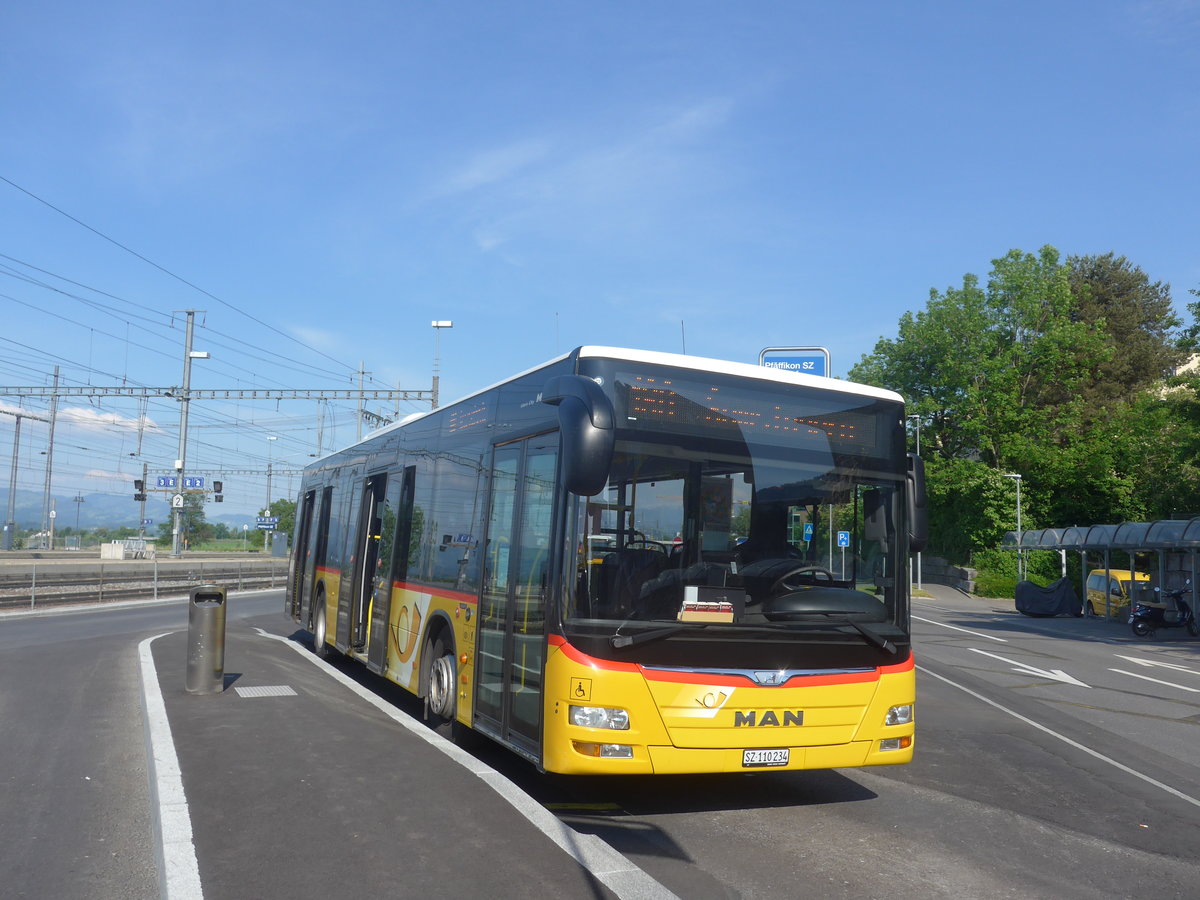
[(50, 584)]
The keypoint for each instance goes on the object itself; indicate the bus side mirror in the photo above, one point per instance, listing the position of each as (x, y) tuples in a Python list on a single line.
[(586, 423), (918, 509)]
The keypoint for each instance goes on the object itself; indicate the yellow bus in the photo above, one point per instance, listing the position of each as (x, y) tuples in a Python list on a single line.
[(630, 562)]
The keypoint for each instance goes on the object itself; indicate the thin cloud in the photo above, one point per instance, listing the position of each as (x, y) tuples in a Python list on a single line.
[(321, 338), (96, 420), (495, 165), (623, 184), (103, 474), (1167, 20)]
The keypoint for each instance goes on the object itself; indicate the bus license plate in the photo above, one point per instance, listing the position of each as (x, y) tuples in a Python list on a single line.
[(755, 758)]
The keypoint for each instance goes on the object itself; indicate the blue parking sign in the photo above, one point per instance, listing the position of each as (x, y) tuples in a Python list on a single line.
[(843, 539)]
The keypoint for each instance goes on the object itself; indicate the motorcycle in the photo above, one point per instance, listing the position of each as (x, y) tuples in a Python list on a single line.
[(1146, 618)]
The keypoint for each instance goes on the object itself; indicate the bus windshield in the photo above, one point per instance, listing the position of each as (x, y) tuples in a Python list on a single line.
[(751, 505)]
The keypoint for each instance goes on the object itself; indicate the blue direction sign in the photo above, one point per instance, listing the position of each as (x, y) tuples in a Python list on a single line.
[(267, 523), (808, 360)]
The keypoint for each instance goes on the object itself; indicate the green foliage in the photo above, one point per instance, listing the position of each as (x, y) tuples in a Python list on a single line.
[(997, 570), (1055, 371), (1189, 338), (971, 507), (195, 529), (285, 510), (997, 573), (739, 524)]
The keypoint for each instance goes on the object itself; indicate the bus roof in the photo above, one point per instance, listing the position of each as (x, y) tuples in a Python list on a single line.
[(678, 360), (740, 369)]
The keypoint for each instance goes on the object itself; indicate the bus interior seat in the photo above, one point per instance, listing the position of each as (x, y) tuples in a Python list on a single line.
[(622, 574)]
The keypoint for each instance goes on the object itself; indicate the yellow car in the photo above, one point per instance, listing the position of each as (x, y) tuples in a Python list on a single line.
[(1120, 583)]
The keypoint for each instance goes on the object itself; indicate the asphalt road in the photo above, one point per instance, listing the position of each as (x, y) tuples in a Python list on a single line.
[(1047, 765)]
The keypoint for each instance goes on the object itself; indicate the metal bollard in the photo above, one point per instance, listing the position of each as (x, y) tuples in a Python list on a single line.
[(206, 640)]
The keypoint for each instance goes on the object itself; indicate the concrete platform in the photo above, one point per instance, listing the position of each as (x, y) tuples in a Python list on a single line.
[(299, 782)]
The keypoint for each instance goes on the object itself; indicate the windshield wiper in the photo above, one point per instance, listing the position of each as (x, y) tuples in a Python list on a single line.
[(873, 636)]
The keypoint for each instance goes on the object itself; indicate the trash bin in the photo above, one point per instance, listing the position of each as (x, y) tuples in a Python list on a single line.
[(206, 640)]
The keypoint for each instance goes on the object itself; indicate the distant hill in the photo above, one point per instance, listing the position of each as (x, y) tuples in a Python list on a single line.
[(104, 511)]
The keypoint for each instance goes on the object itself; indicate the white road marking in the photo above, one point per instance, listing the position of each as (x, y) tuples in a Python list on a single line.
[(1055, 674), (178, 871), (1156, 663), (279, 690), (1156, 680), (1066, 740), (965, 630), (608, 866)]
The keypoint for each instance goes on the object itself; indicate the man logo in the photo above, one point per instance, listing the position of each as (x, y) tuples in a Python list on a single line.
[(768, 718)]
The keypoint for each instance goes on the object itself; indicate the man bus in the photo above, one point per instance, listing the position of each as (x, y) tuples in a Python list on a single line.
[(632, 562)]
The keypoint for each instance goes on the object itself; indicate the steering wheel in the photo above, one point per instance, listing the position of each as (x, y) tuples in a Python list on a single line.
[(781, 583), (646, 542)]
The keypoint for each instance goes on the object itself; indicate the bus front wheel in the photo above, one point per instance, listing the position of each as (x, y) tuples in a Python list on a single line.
[(442, 682)]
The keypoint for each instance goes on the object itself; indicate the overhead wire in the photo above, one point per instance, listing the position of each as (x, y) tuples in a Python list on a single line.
[(279, 360), (171, 274), (155, 437)]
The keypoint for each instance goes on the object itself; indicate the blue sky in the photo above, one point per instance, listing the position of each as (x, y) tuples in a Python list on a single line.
[(325, 179)]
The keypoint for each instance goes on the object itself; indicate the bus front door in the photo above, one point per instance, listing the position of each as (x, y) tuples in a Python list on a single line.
[(512, 626)]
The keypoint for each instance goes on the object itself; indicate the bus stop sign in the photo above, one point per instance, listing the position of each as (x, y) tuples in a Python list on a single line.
[(808, 360)]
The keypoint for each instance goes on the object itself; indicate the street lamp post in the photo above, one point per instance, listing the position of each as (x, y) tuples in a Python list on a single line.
[(1020, 556), (917, 429), (78, 501), (438, 325), (267, 511), (177, 501)]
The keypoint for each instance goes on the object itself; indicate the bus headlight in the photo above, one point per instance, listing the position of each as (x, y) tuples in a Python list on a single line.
[(899, 715), (599, 717), (604, 751)]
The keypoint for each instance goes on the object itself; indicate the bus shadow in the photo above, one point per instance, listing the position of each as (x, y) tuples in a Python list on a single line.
[(621, 795), (616, 809)]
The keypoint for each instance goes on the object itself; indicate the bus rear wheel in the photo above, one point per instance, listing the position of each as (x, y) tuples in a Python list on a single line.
[(320, 648)]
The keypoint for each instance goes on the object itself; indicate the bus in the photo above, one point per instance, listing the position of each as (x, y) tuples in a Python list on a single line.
[(631, 562)]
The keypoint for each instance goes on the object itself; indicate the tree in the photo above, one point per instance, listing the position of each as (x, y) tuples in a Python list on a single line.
[(194, 528), (1044, 371), (285, 510), (976, 506), (1188, 340), (1138, 320), (989, 370)]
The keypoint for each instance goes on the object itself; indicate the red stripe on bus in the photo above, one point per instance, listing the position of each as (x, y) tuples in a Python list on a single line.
[(557, 640), (454, 596)]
